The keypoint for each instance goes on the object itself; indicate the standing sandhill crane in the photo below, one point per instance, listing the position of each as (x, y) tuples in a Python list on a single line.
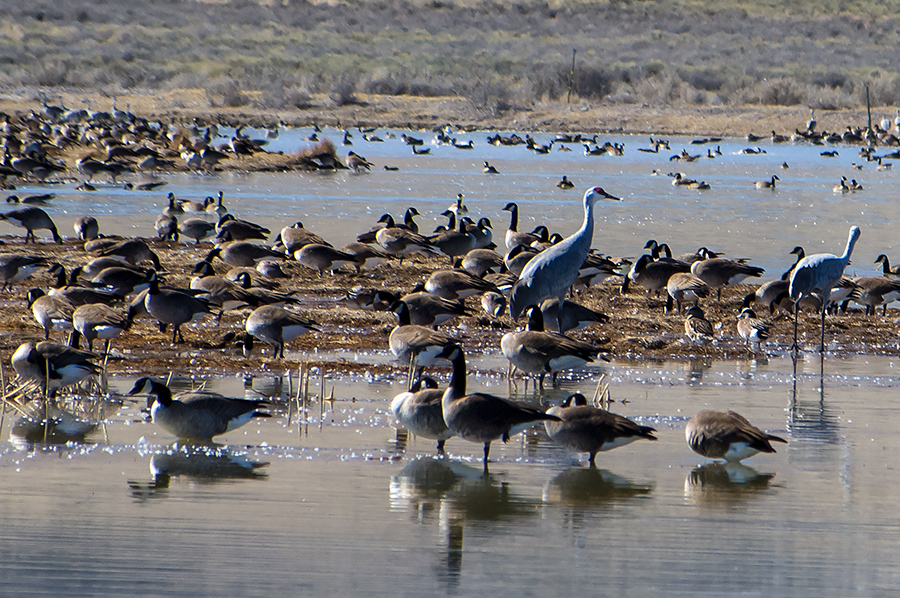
[(552, 272), (817, 275)]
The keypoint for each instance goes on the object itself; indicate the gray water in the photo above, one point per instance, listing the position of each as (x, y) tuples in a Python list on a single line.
[(341, 503)]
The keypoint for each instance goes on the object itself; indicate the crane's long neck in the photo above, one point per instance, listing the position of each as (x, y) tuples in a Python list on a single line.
[(584, 236), (851, 243)]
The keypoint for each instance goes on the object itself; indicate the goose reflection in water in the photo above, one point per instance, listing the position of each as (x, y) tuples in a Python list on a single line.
[(49, 424), (202, 464), (457, 495), (592, 488), (726, 484)]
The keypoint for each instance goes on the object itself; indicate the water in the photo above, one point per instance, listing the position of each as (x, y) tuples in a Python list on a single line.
[(733, 216), (341, 503)]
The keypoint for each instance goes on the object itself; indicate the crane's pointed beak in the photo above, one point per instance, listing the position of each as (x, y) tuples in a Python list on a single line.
[(608, 196)]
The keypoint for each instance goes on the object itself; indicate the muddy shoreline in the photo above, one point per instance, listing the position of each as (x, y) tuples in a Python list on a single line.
[(638, 331)]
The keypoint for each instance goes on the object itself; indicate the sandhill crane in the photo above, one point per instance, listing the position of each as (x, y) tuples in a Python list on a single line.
[(552, 272), (817, 275)]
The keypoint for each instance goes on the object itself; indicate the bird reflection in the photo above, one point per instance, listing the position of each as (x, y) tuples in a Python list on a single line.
[(725, 484), (812, 420), (457, 495), (203, 464), (695, 368), (592, 488), (49, 424)]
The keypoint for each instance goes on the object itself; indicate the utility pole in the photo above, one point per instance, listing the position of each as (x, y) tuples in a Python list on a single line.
[(571, 76), (868, 108)]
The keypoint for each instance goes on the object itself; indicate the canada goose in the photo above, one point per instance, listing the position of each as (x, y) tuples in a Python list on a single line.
[(573, 317), (277, 326), (752, 329), (419, 410), (517, 258), (727, 435), (75, 294), (770, 184), (772, 295), (196, 206), (122, 281), (484, 238), (133, 251), (169, 306), (409, 223), (240, 230), (196, 415), (365, 255), (86, 228), (294, 237), (493, 304), (98, 321), (651, 275), (167, 228), (263, 295), (855, 186), (684, 286), (91, 167), (51, 312), (479, 262), (883, 165), (872, 291), (370, 299), (586, 429), (403, 242), (224, 294), (458, 207), (697, 328), (453, 243), (535, 351), (488, 169), (31, 218), (358, 163), (886, 268), (15, 267), (217, 208), (174, 207), (513, 236), (480, 417), (428, 309), (271, 269), (457, 284), (52, 363), (411, 343), (323, 257), (242, 253), (719, 272), (565, 183), (196, 229)]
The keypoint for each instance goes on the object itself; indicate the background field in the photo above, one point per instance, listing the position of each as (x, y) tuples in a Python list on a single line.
[(500, 57)]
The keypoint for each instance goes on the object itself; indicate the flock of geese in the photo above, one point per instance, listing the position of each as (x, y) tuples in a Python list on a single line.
[(534, 278)]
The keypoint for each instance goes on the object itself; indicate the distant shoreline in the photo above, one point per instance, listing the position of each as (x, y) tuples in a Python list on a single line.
[(189, 105)]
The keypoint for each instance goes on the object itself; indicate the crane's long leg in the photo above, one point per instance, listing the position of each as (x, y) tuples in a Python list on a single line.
[(794, 348), (822, 343)]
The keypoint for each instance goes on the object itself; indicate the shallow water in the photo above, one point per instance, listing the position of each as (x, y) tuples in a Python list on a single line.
[(733, 216), (345, 504), (341, 503)]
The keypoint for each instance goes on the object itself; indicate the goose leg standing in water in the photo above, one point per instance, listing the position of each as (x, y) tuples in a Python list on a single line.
[(480, 417)]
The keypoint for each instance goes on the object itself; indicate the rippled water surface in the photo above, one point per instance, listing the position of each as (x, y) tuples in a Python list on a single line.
[(334, 501), (342, 503)]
